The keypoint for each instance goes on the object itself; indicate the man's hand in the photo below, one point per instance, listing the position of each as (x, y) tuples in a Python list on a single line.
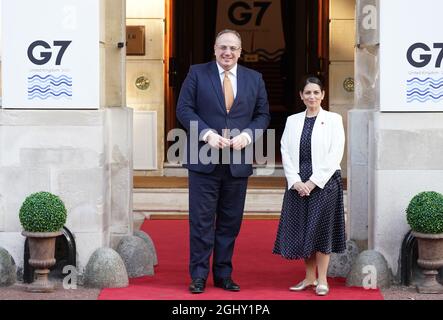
[(239, 142), (302, 189), (216, 141)]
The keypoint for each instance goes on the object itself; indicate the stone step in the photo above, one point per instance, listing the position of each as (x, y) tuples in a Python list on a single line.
[(262, 202)]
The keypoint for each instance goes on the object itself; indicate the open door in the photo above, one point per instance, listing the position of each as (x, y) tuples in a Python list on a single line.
[(302, 26), (191, 34)]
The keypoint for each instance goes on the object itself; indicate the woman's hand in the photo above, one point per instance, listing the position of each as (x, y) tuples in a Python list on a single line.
[(311, 185), (302, 189)]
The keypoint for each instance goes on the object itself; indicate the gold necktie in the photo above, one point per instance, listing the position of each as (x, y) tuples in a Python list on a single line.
[(229, 93)]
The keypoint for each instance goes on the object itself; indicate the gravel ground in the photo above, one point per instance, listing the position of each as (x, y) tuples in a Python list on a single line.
[(17, 292), (408, 293)]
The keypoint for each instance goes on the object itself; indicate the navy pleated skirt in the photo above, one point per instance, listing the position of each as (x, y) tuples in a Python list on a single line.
[(314, 223)]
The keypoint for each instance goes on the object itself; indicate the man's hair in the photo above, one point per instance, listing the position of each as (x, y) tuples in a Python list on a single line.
[(228, 31)]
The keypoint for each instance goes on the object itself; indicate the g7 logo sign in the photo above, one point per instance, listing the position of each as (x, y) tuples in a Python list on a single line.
[(246, 15), (45, 56), (424, 58)]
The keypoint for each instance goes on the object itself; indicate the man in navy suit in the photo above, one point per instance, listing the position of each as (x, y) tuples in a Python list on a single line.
[(223, 107)]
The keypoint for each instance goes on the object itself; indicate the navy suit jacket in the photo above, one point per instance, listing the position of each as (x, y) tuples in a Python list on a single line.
[(201, 100)]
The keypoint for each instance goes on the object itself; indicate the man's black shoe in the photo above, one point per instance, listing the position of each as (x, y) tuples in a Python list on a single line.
[(197, 285), (226, 284)]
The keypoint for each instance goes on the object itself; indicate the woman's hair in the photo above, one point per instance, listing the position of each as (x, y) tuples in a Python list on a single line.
[(311, 79)]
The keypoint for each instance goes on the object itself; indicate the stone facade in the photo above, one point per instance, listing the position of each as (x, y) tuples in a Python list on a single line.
[(405, 159), (365, 102), (82, 156), (392, 156), (86, 156)]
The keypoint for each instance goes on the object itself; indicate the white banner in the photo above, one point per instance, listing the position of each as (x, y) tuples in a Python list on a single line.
[(50, 54), (411, 53), (259, 24)]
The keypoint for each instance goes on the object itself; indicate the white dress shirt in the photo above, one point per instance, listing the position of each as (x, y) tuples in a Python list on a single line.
[(232, 74)]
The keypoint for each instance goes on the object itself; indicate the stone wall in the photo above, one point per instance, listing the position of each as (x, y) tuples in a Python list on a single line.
[(392, 155), (405, 158), (365, 102), (84, 156), (341, 67), (76, 155), (151, 14)]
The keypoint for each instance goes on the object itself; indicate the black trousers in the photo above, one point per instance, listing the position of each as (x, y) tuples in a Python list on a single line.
[(216, 205)]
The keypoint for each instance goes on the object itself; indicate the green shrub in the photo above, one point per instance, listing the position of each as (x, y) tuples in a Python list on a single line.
[(42, 212), (425, 212)]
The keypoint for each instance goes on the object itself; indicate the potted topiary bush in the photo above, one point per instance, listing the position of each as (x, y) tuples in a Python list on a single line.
[(42, 216), (425, 217)]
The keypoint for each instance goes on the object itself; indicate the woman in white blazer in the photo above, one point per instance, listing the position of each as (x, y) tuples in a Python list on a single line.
[(312, 222)]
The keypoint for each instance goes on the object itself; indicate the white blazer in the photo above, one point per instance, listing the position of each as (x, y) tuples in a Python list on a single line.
[(327, 145)]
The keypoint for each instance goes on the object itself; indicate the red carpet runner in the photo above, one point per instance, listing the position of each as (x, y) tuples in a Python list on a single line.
[(261, 274)]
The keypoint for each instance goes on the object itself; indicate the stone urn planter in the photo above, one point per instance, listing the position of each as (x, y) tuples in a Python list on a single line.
[(42, 216), (430, 258), (41, 251), (425, 217)]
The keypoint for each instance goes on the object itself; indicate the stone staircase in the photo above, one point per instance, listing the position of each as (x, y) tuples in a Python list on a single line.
[(167, 197), (152, 202)]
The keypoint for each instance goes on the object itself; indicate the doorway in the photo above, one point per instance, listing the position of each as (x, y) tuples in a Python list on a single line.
[(302, 25)]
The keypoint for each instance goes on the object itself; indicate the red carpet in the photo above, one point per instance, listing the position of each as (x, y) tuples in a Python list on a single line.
[(261, 274)]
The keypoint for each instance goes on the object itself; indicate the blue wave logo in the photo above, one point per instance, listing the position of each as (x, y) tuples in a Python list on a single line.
[(49, 87), (423, 90)]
